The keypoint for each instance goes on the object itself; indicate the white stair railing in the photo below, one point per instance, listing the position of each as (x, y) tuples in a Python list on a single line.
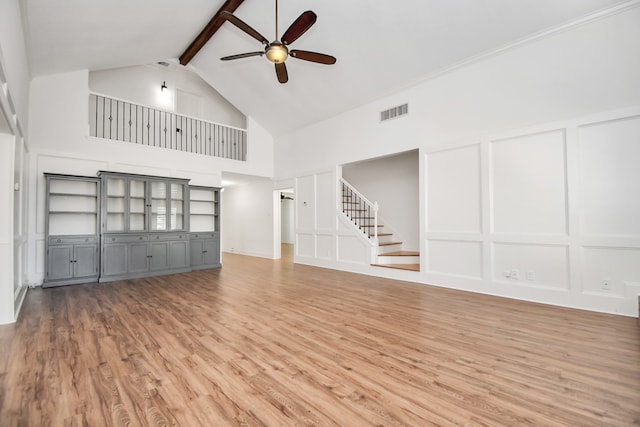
[(362, 212)]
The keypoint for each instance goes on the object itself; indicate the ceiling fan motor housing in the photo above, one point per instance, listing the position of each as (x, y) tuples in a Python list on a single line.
[(277, 52)]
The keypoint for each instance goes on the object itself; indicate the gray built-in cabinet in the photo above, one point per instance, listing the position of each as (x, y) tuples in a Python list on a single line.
[(145, 225), (204, 214), (120, 226), (72, 217)]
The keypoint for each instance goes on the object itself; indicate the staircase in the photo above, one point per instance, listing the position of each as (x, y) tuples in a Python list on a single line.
[(364, 215)]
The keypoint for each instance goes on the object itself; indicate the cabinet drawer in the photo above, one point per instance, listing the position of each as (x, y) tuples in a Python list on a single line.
[(164, 237), (124, 238), (72, 240), (203, 235)]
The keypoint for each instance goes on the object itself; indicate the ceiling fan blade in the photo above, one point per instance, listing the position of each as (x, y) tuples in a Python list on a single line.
[(281, 72), (244, 27), (241, 55), (299, 27), (320, 58)]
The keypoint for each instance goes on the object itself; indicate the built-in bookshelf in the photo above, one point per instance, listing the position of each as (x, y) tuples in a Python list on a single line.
[(119, 226), (72, 229), (204, 208), (115, 195), (204, 220)]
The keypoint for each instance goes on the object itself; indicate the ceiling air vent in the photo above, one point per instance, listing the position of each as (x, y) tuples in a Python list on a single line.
[(394, 112)]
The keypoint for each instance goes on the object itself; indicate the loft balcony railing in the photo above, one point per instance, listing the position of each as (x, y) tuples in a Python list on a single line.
[(119, 120)]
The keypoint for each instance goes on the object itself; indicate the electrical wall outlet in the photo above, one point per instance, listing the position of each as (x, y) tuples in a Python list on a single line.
[(606, 284), (530, 275), (515, 274)]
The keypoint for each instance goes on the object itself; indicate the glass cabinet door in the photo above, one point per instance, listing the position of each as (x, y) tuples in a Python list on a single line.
[(177, 207), (115, 197), (137, 205), (159, 206)]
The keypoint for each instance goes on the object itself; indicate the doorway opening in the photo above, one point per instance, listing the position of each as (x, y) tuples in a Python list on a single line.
[(285, 235)]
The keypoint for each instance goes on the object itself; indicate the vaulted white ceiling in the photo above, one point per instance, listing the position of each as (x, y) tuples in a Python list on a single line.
[(380, 46)]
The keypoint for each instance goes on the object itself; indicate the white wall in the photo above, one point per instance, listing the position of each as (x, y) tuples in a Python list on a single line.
[(315, 213), (393, 182), (20, 226), (141, 85), (6, 229), (60, 143), (525, 164), (586, 69), (545, 214), (14, 64), (324, 236), (14, 103), (247, 221)]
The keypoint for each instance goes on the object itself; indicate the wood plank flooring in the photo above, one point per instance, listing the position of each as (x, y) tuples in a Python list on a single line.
[(263, 342)]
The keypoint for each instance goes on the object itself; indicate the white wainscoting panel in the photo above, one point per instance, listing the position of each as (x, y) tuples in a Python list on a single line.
[(325, 246), (305, 201), (305, 245), (529, 184), (351, 249), (614, 265), (536, 265), (326, 190), (610, 172), (458, 258), (453, 190), (40, 257)]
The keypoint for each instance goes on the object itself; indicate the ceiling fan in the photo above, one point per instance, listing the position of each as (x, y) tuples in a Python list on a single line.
[(277, 52)]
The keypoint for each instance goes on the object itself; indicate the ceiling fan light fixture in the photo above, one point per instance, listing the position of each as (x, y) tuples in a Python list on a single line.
[(276, 52)]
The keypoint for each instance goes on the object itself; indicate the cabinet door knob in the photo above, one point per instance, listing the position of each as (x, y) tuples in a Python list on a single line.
[(113, 239), (140, 238)]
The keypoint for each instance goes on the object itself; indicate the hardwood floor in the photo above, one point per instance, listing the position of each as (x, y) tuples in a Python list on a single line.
[(263, 342)]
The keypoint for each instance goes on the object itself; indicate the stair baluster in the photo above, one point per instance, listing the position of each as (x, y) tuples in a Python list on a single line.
[(362, 212)]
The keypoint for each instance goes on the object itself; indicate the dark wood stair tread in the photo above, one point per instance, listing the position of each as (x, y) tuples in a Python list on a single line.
[(389, 243), (401, 253), (409, 267)]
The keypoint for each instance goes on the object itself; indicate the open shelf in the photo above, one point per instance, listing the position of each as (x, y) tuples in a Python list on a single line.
[(72, 205)]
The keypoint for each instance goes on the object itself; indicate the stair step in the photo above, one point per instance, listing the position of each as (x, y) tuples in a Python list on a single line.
[(399, 257), (401, 253), (409, 267), (389, 243)]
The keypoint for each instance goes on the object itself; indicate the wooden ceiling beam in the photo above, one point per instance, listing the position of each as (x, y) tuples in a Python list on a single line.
[(209, 30)]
